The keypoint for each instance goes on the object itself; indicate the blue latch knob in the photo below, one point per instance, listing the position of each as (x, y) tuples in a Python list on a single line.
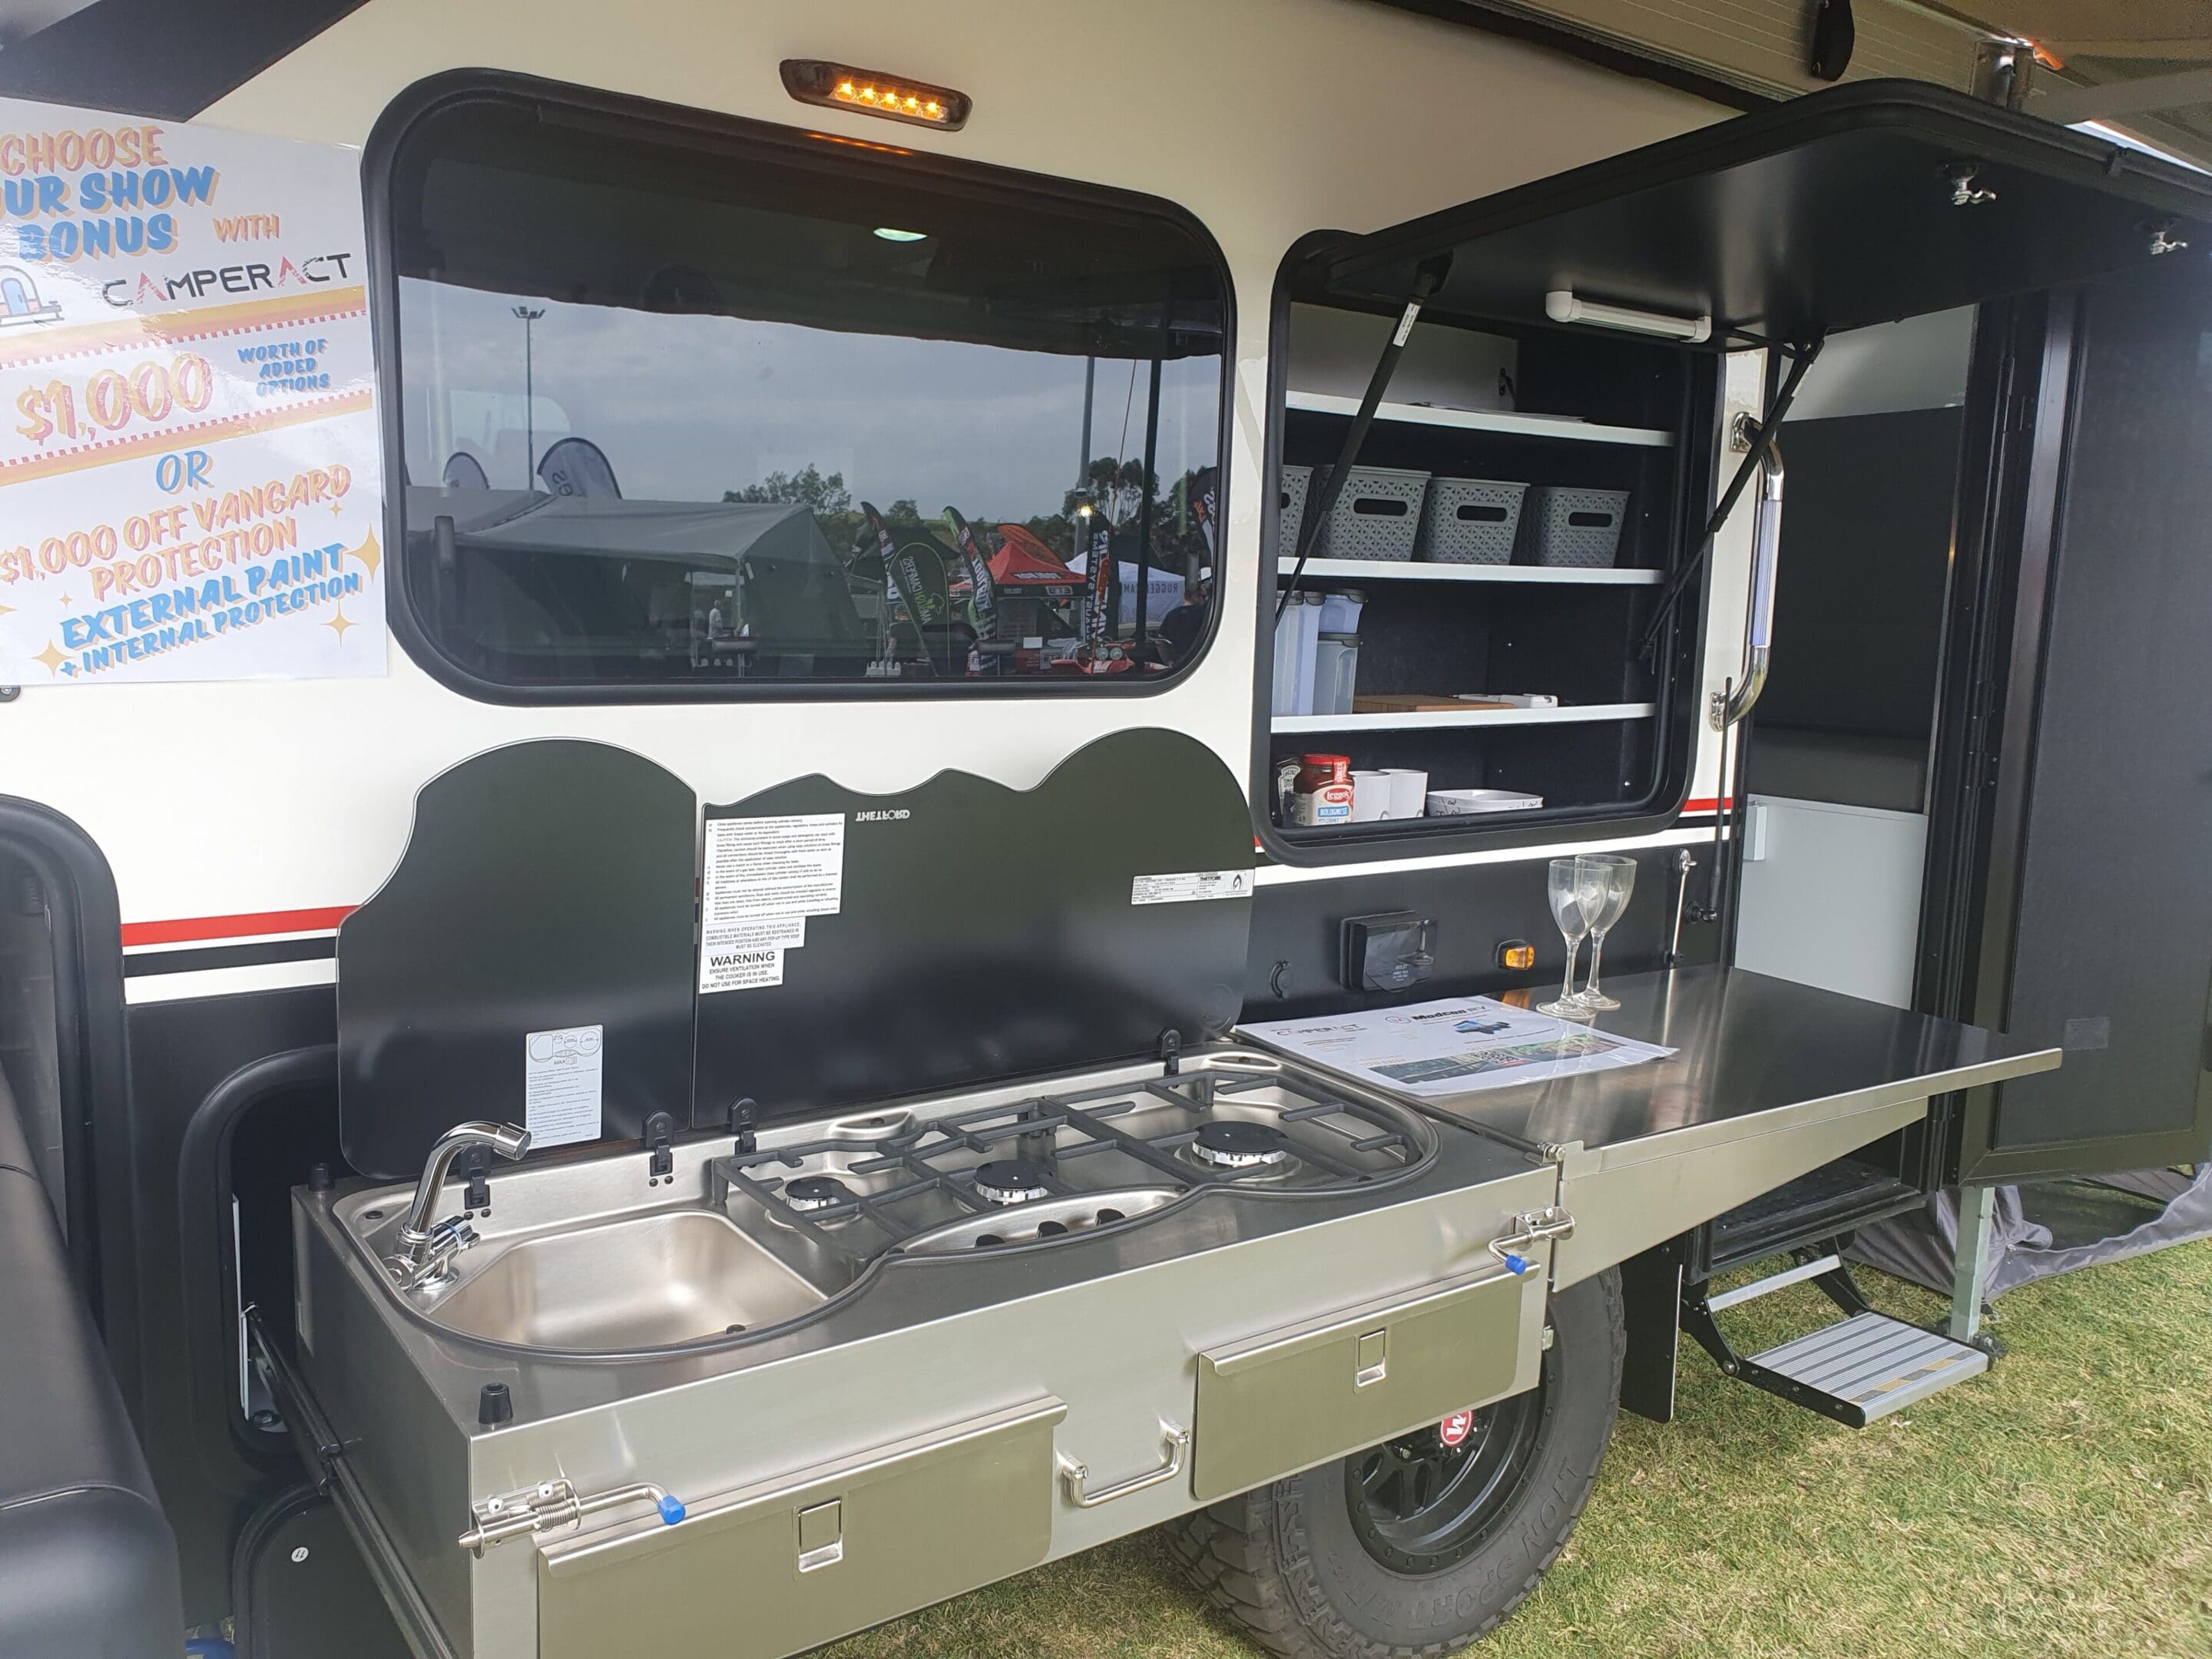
[(672, 1508), (1516, 1264)]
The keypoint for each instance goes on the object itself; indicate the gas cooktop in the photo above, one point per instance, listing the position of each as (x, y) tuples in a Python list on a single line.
[(1034, 1168)]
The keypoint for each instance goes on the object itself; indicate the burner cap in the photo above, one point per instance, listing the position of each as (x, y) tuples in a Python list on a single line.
[(1239, 1144), (1011, 1180), (811, 1193)]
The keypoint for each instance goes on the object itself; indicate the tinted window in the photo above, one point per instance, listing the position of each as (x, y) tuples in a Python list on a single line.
[(686, 409)]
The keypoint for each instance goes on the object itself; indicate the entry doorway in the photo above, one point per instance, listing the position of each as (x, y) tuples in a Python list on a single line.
[(1837, 760)]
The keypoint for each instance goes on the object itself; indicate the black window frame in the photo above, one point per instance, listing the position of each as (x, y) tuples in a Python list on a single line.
[(741, 137), (1680, 665)]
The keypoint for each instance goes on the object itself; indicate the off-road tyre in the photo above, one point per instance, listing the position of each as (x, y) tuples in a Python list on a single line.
[(1287, 1565)]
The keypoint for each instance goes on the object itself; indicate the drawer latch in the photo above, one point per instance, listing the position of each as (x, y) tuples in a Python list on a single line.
[(555, 1504), (1531, 1229)]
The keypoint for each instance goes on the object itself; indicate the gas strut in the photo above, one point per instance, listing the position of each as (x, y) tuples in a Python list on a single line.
[(1753, 463), (1426, 281)]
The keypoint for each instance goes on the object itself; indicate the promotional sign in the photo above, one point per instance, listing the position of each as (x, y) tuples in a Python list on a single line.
[(189, 468)]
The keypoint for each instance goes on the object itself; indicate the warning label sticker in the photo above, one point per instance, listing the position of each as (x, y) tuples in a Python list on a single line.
[(1190, 886), (763, 878)]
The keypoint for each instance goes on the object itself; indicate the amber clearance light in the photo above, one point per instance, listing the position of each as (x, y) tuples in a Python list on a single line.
[(840, 86)]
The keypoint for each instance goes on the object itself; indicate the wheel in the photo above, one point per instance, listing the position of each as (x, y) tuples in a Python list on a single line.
[(1414, 1548)]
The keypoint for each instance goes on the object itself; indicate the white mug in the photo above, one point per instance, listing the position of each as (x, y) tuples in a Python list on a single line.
[(1409, 792), (1372, 797)]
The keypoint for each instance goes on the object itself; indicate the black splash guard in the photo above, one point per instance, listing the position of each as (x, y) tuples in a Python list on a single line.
[(985, 932), (545, 885)]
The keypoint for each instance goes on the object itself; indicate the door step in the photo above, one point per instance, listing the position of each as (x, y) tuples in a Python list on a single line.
[(1867, 1366), (1864, 1367)]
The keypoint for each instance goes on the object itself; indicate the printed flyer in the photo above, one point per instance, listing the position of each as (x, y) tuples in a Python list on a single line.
[(189, 481), (1457, 1047)]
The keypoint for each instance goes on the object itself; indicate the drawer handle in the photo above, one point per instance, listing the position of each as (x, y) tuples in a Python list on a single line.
[(1174, 1441)]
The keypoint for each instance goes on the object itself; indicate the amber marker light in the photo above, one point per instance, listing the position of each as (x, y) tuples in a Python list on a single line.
[(870, 91)]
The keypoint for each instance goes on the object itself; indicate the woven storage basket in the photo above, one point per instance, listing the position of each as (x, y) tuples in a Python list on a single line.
[(1469, 521), (1577, 529), (1290, 514), (1377, 516)]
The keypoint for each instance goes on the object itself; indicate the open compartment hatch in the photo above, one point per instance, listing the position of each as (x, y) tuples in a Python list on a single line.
[(1867, 203)]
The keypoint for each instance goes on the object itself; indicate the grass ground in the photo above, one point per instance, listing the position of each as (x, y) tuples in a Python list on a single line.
[(2060, 1508)]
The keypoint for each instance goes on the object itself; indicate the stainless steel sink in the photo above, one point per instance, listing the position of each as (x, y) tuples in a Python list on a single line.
[(669, 1277)]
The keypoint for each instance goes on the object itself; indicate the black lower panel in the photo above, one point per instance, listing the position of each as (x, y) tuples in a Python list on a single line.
[(301, 1589), (1834, 1198), (2112, 953), (173, 1365)]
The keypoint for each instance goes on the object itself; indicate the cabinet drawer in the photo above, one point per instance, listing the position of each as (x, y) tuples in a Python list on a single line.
[(790, 1563), (1272, 1405)]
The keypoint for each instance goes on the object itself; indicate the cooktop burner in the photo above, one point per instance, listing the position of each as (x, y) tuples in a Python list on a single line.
[(1013, 1180), (1238, 1143), (811, 1193), (1244, 1121)]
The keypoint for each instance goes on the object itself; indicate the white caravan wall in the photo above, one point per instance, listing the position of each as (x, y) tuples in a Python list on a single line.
[(1267, 121)]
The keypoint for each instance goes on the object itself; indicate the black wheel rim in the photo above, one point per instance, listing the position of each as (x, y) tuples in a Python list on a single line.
[(1419, 1506)]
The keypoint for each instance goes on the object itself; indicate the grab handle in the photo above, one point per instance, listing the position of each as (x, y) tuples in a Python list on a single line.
[(1174, 1441), (1727, 707)]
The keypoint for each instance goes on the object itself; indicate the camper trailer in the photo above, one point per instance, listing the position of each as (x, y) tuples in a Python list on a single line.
[(798, 802)]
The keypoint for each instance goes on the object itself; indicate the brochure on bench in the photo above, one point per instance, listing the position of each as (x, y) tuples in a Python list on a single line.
[(1454, 1047)]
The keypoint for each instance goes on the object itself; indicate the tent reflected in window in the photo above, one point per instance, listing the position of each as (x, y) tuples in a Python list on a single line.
[(19, 298)]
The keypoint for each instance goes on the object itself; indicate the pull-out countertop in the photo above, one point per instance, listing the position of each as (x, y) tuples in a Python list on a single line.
[(1745, 1046), (1769, 1079)]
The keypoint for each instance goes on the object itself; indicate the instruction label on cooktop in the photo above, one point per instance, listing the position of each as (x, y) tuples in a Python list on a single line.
[(560, 1074), (763, 878), (1189, 886)]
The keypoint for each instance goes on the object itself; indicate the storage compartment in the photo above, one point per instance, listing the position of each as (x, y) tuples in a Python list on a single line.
[(1546, 532), (789, 1563), (1285, 1401)]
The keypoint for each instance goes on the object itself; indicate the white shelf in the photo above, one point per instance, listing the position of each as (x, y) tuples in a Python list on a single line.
[(1490, 420), (1415, 570), (1435, 719)]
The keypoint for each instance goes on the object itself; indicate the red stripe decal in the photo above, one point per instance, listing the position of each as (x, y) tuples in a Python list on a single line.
[(1706, 804), (190, 928)]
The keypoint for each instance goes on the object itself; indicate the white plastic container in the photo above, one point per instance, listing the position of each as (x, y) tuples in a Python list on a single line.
[(1339, 612), (1468, 803), (1336, 666), (1285, 700), (1309, 615)]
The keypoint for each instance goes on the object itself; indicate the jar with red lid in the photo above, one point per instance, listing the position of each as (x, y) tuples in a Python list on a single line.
[(1314, 770), (1324, 793)]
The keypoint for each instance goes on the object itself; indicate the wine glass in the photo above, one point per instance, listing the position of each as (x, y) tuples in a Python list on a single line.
[(1616, 874), (1577, 889)]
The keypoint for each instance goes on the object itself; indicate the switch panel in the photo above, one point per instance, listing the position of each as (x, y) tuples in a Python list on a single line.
[(1393, 951)]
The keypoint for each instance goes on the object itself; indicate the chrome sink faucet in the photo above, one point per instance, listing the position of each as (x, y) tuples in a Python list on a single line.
[(426, 1245)]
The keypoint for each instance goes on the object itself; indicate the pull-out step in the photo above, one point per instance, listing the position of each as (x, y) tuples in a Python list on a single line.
[(1867, 1366), (1864, 1367)]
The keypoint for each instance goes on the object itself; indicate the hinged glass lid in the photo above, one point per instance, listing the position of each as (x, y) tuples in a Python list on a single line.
[(1864, 205)]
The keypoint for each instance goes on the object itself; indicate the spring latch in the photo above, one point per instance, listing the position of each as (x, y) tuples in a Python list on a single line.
[(555, 1504), (1531, 1229)]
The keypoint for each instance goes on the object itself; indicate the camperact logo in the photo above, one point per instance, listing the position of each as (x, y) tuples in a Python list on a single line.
[(252, 276)]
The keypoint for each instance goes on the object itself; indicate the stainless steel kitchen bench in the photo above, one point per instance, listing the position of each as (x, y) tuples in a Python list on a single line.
[(1768, 1080)]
